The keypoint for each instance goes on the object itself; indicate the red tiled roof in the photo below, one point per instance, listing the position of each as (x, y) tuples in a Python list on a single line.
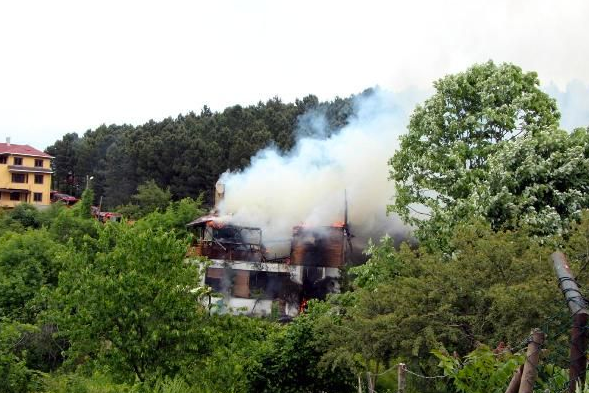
[(25, 150)]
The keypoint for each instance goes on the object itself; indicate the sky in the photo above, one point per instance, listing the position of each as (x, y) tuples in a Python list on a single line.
[(70, 66)]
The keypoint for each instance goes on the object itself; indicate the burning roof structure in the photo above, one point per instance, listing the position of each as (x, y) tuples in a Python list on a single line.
[(221, 240), (247, 276)]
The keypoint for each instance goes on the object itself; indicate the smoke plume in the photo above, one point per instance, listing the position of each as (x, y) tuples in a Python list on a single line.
[(307, 185)]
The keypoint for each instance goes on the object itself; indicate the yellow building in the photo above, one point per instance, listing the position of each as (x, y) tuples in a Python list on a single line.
[(25, 175)]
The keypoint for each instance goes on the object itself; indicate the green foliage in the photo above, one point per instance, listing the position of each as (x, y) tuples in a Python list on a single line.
[(28, 262), (175, 217), (290, 361), (236, 340), (493, 289), (26, 215), (540, 181), (149, 198), (83, 208), (381, 265), (78, 383), (186, 154), (15, 377), (453, 134), (68, 226), (133, 304), (484, 158), (482, 371)]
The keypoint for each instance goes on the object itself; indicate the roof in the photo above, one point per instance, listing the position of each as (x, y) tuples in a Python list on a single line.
[(202, 220), (24, 150), (218, 221)]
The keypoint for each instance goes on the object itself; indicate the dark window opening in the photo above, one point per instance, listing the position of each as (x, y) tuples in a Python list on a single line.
[(39, 163), (38, 179), (19, 178), (38, 197), (3, 159), (15, 196), (17, 160), (258, 281), (214, 283)]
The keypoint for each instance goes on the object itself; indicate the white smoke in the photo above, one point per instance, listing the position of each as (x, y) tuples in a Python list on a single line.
[(307, 185)]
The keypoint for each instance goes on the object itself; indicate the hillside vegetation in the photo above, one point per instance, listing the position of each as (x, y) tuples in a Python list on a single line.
[(490, 183)]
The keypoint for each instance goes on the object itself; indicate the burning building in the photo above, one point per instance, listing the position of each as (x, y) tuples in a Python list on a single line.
[(247, 277)]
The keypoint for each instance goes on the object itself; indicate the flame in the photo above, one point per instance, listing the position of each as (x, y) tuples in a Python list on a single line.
[(336, 224), (215, 224)]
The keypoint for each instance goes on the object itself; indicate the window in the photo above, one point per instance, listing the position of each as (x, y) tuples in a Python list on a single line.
[(38, 197), (17, 160), (39, 163), (15, 196), (38, 179), (19, 178), (3, 159)]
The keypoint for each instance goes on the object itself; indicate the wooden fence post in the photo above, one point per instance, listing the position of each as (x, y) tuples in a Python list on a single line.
[(401, 378), (578, 307), (515, 381), (531, 363)]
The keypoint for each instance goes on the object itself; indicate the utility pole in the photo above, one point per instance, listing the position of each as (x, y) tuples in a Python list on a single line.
[(578, 307), (530, 371), (88, 178)]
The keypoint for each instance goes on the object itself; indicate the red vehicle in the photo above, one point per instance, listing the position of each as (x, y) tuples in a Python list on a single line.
[(66, 199), (109, 216), (105, 216)]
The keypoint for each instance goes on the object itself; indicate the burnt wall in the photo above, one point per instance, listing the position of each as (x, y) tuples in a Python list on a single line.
[(319, 247)]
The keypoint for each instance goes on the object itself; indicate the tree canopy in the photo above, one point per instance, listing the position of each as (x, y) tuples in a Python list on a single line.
[(453, 134), (186, 154)]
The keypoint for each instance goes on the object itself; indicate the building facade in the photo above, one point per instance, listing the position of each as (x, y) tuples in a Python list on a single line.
[(25, 175), (245, 277)]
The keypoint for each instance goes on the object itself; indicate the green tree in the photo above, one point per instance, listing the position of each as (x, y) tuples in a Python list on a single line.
[(149, 198), (481, 371), (174, 217), (68, 226), (453, 134), (495, 287), (28, 262), (133, 304), (290, 361), (83, 208), (540, 181), (15, 377)]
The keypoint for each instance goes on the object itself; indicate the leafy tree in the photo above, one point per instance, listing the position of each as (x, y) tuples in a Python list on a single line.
[(68, 226), (491, 290), (193, 150), (83, 208), (175, 217), (540, 181), (149, 198), (482, 371), (65, 163), (236, 340), (290, 361), (15, 377), (26, 215), (453, 134), (133, 305), (28, 262)]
